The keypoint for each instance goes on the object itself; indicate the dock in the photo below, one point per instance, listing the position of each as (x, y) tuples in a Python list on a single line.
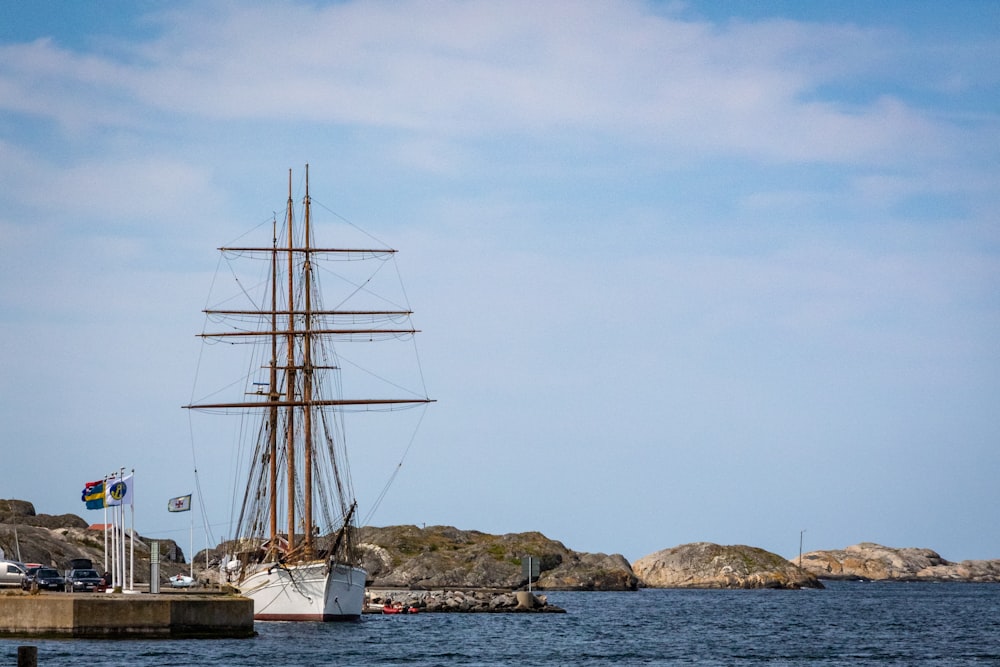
[(119, 616)]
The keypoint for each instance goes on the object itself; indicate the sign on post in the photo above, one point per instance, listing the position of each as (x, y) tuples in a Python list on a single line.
[(531, 569)]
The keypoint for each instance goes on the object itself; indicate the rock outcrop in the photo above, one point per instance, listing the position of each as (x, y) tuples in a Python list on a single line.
[(707, 565), (589, 572), (445, 557), (874, 562), (21, 512)]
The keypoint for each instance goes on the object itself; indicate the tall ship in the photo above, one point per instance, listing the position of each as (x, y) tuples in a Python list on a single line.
[(294, 550)]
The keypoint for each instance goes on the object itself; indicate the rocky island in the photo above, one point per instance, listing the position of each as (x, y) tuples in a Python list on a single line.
[(707, 565), (873, 562), (442, 557)]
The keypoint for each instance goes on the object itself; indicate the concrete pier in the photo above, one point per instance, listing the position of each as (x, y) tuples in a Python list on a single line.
[(97, 615)]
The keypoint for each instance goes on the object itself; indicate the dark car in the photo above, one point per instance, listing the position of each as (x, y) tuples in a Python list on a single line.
[(46, 578), (84, 580)]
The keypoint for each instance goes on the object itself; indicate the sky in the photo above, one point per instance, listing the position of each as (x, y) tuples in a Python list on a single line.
[(684, 271)]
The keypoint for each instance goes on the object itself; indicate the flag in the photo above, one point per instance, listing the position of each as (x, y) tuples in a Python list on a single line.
[(93, 495), (179, 504), (120, 491)]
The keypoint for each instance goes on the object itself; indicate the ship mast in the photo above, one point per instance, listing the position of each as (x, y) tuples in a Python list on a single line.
[(297, 388), (290, 372), (307, 377), (272, 397)]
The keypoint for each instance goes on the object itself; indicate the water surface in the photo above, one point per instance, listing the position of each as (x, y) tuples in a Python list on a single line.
[(846, 624)]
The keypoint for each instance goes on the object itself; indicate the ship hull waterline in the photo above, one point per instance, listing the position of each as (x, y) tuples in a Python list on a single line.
[(312, 591)]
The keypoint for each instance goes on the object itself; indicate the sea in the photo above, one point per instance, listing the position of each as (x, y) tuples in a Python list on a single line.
[(848, 623)]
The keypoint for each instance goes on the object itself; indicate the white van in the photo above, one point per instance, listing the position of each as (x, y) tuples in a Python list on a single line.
[(11, 574)]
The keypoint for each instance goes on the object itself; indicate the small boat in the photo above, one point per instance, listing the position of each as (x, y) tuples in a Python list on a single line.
[(181, 581), (398, 608)]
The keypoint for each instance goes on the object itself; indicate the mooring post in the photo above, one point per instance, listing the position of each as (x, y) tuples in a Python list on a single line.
[(27, 656)]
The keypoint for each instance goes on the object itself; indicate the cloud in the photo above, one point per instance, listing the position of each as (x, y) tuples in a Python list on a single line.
[(486, 70)]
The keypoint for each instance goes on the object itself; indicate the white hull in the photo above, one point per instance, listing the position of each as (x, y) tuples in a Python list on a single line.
[(305, 592)]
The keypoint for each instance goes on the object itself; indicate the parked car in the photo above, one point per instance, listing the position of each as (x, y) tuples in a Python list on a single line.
[(47, 578), (84, 580), (11, 573)]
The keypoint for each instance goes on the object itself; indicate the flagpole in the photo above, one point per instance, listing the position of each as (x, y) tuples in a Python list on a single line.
[(122, 565), (120, 533), (121, 539), (131, 554), (114, 535), (191, 557), (111, 525), (104, 501), (120, 551), (131, 569), (204, 529)]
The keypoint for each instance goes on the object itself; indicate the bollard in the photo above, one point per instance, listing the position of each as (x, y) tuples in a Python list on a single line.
[(526, 600), (27, 656)]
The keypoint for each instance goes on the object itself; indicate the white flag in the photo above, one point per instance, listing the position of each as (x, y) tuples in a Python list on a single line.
[(179, 504), (119, 491)]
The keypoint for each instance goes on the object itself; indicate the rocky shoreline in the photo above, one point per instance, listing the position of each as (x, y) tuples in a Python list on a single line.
[(450, 601), (444, 569)]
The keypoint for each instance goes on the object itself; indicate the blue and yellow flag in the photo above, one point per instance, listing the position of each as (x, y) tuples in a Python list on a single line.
[(93, 495)]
